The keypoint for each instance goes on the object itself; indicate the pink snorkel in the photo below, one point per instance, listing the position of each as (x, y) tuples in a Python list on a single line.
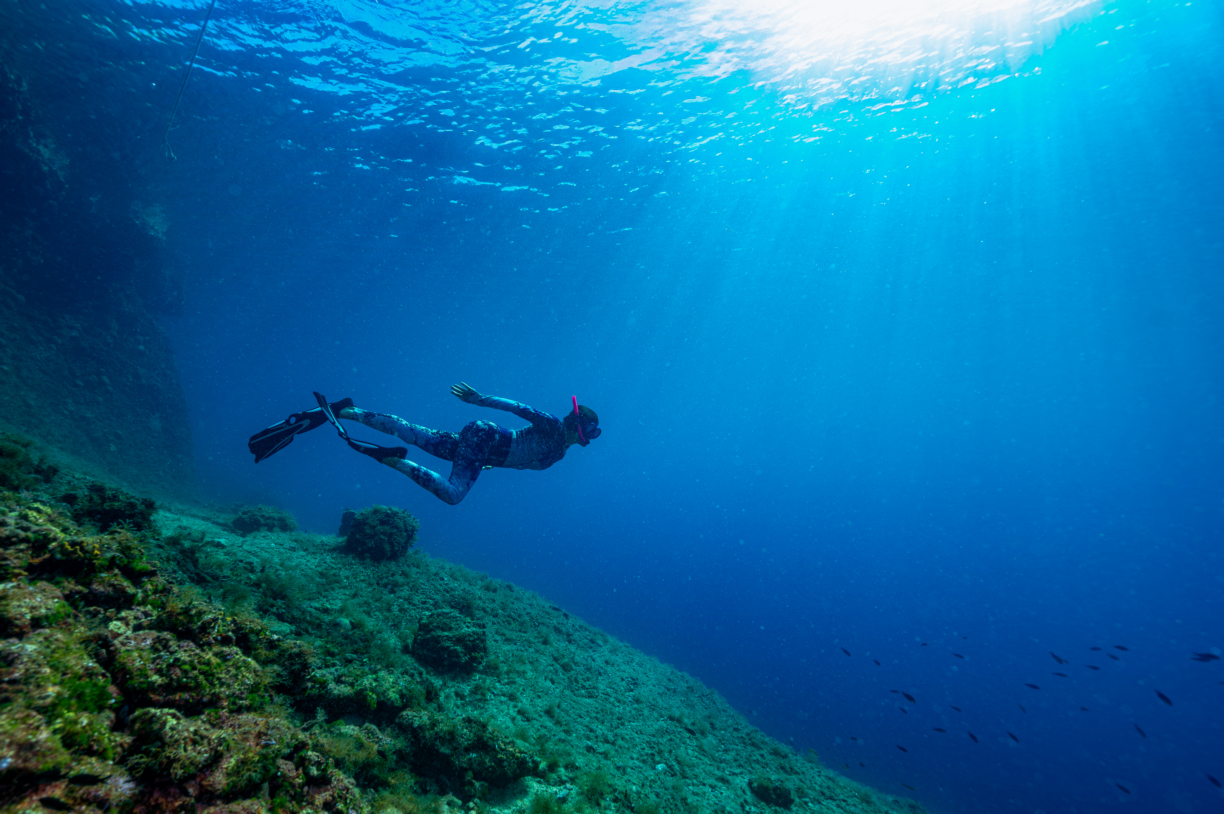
[(578, 422)]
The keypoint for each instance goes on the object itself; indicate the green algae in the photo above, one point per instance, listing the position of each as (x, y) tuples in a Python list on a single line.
[(282, 674), (113, 683)]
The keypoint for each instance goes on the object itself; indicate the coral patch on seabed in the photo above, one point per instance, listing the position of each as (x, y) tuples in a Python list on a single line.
[(158, 661)]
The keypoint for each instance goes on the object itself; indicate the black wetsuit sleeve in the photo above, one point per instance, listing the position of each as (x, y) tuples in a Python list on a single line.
[(536, 417)]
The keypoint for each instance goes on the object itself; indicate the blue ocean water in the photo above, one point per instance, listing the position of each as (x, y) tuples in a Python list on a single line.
[(905, 333)]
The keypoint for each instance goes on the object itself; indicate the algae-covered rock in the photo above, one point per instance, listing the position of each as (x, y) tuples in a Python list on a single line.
[(50, 672), (771, 792), (101, 682), (449, 641), (171, 744), (106, 508), (29, 750), (362, 752), (381, 533), (25, 607), (346, 523), (258, 749), (378, 696), (155, 668), (462, 753), (262, 518), (18, 469)]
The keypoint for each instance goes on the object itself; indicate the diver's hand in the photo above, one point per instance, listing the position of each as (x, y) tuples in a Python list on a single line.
[(465, 392)]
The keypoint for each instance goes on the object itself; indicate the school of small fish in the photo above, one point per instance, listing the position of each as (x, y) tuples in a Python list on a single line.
[(1164, 699)]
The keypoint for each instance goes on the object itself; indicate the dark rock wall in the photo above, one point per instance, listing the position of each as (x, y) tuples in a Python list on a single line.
[(84, 364)]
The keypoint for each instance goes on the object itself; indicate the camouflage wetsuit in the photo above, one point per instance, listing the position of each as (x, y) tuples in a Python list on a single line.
[(478, 445)]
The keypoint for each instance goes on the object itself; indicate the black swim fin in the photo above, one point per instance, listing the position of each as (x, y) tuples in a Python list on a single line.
[(277, 437), (364, 447)]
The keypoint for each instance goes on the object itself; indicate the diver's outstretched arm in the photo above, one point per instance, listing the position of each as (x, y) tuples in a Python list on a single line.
[(465, 392)]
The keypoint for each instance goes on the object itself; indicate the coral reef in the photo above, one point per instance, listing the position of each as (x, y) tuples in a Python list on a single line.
[(262, 518), (380, 533), (182, 667)]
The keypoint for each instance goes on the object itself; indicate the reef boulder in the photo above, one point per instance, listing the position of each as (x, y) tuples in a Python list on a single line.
[(449, 641), (464, 755), (381, 533), (106, 508), (262, 518), (771, 792)]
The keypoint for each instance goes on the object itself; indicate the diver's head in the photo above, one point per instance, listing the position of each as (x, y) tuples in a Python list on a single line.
[(582, 424)]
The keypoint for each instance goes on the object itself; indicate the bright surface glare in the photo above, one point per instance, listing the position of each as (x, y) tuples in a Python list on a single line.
[(822, 50)]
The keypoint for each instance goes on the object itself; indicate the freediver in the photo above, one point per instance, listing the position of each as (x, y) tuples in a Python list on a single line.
[(479, 445)]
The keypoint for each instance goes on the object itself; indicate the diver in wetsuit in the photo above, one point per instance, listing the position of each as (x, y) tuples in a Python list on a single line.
[(479, 445)]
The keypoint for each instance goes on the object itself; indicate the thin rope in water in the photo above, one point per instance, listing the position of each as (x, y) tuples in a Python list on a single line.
[(183, 86)]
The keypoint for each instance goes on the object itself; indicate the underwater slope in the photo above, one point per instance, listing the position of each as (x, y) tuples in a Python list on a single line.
[(83, 277), (296, 677)]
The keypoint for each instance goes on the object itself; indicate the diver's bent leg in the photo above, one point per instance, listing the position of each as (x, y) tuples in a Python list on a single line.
[(475, 441), (440, 486), (436, 442)]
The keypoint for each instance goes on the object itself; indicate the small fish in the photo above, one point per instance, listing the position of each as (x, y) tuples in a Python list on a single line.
[(1139, 729), (1083, 709), (958, 655), (844, 650), (925, 644), (85, 779), (1061, 675), (845, 765), (1112, 656), (1124, 788), (1094, 648), (877, 662), (863, 765), (895, 692), (1123, 648), (940, 729), (902, 748), (853, 738), (1204, 657), (908, 786), (1013, 737), (1092, 667), (972, 736), (1214, 782), (958, 709), (54, 803), (1163, 697), (964, 637), (1022, 709), (1058, 658), (1031, 686), (909, 697), (903, 709)]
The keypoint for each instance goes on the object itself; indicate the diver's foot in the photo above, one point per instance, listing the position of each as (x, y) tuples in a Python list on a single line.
[(380, 454), (278, 436)]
